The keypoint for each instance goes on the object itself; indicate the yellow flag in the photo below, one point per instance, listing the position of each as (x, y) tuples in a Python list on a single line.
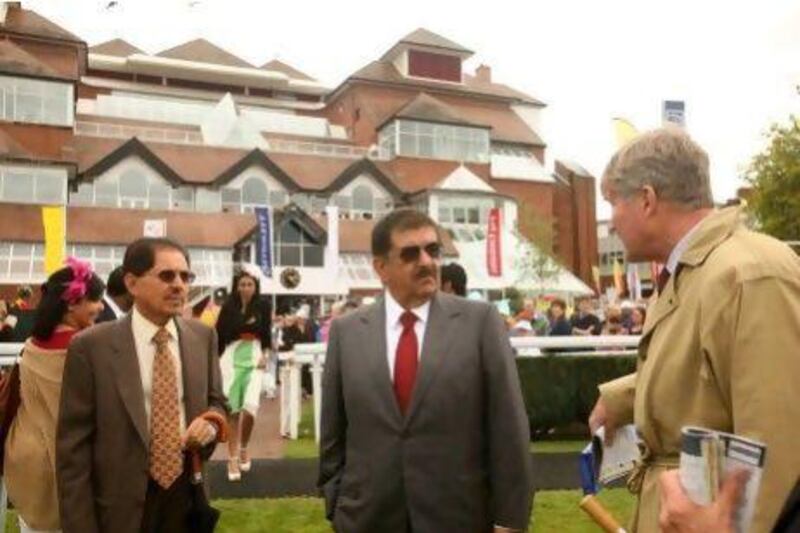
[(54, 219), (596, 277), (624, 131)]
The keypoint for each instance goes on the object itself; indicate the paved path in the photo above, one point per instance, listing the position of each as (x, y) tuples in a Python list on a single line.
[(266, 442)]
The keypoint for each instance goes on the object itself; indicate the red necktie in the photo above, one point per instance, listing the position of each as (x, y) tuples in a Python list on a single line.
[(405, 362)]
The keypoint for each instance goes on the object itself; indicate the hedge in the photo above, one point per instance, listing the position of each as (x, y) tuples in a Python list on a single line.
[(561, 390)]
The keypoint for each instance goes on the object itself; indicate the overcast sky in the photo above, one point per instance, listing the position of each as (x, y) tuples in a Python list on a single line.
[(736, 64)]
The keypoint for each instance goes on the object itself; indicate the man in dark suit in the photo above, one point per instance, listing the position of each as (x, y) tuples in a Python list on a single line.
[(116, 301), (136, 394), (423, 423)]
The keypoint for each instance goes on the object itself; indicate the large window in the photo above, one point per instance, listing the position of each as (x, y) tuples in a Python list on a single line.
[(135, 189), (464, 211), (253, 193), (38, 185), (437, 141), (295, 247), (36, 101)]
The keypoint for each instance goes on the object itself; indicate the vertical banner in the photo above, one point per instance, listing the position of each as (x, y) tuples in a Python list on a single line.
[(494, 258), (596, 279), (54, 219), (264, 240)]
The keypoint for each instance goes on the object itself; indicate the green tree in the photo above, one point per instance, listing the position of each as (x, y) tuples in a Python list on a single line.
[(534, 260), (775, 177)]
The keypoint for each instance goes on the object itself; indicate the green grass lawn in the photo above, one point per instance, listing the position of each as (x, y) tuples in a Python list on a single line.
[(553, 511)]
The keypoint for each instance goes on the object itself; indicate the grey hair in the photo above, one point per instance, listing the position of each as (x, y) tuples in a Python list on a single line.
[(669, 161)]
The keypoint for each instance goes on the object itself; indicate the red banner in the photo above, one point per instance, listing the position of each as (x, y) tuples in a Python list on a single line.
[(494, 258)]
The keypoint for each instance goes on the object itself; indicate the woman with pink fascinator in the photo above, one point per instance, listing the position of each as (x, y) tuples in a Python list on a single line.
[(71, 301)]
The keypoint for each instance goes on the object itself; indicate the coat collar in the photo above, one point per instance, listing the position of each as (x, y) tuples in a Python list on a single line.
[(713, 231)]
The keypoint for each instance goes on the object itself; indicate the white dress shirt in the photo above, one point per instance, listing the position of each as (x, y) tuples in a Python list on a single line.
[(109, 301), (143, 332), (677, 251), (394, 328)]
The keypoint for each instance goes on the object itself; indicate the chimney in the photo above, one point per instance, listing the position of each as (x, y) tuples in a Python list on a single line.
[(4, 9), (484, 73)]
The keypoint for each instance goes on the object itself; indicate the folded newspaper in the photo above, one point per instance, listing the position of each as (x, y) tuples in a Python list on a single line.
[(708, 457), (602, 464)]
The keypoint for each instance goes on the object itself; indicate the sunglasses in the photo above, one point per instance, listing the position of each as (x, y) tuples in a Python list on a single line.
[(410, 254), (169, 276)]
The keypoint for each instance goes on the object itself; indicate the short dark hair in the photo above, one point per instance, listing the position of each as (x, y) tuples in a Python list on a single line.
[(115, 286), (558, 302), (402, 219), (457, 276), (140, 256), (52, 307)]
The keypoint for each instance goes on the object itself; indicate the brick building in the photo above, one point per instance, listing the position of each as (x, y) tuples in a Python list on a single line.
[(199, 138)]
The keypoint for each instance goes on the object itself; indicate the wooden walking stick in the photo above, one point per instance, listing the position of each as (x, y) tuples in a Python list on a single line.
[(600, 514)]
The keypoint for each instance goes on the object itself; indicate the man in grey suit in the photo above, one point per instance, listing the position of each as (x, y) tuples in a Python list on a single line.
[(136, 394), (423, 423)]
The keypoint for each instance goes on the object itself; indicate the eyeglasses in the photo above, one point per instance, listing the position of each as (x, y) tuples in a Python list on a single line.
[(410, 254), (169, 276)]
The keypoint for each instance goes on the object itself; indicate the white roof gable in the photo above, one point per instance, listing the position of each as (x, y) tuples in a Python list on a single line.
[(462, 179)]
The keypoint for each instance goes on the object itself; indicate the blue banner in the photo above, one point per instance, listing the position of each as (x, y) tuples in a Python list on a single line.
[(264, 241)]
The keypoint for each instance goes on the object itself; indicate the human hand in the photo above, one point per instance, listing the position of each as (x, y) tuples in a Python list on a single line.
[(681, 515), (262, 360), (600, 417), (199, 433)]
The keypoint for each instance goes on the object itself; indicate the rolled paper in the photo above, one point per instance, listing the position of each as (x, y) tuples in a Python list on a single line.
[(600, 515)]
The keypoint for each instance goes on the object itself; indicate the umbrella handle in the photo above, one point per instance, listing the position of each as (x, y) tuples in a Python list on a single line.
[(197, 468)]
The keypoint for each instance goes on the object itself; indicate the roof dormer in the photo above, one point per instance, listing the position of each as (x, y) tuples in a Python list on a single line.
[(424, 54)]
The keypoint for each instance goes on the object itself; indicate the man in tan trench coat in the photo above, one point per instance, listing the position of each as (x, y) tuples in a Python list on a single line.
[(721, 344)]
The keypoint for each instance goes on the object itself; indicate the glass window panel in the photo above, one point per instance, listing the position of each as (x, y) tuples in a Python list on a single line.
[(51, 188), (254, 191), (445, 214), (407, 126), (473, 216), (20, 267), (105, 194), (312, 255), (159, 196), (83, 196), (18, 186), (459, 215), (318, 204), (278, 198), (183, 198), (102, 252), (290, 255), (290, 233), (408, 144), (5, 249), (362, 198), (208, 200), (231, 196), (343, 202), (133, 185), (22, 249)]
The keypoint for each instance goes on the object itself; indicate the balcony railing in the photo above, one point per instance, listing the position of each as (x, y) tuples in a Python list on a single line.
[(178, 136)]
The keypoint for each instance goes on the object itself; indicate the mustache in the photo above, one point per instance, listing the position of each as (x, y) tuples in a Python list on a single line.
[(425, 272)]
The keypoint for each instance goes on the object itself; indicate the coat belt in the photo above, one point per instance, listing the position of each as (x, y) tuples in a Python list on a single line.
[(647, 461)]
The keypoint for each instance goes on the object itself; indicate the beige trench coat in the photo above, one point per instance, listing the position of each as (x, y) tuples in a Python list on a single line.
[(30, 451), (720, 349)]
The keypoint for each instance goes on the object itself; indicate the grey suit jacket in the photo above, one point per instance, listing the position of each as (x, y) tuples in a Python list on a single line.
[(458, 461), (102, 437)]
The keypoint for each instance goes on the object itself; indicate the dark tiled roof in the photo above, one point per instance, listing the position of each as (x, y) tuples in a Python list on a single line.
[(115, 47), (15, 60), (28, 22), (108, 226), (289, 70), (428, 109), (386, 72), (424, 37), (203, 51)]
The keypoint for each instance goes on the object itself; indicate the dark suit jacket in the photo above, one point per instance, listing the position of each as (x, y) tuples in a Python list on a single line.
[(459, 460), (102, 437)]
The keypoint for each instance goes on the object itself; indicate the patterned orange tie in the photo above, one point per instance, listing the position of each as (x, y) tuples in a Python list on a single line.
[(166, 456)]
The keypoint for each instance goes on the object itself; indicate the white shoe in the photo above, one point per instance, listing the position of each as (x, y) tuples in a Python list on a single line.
[(244, 466), (234, 472)]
